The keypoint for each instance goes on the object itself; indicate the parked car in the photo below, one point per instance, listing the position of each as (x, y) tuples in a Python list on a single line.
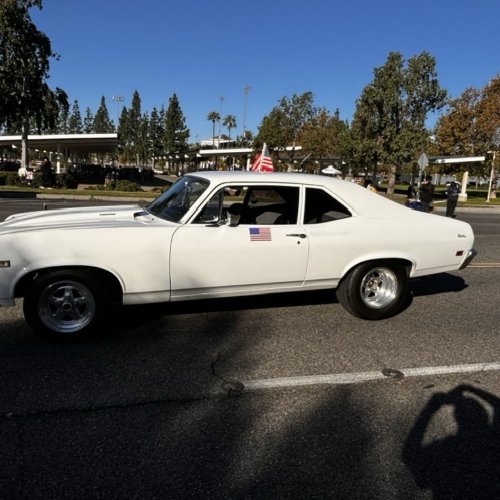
[(223, 234)]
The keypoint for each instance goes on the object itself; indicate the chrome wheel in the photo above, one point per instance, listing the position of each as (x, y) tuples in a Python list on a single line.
[(379, 287), (66, 306)]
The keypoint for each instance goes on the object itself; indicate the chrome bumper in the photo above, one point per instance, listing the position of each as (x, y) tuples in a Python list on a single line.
[(470, 255)]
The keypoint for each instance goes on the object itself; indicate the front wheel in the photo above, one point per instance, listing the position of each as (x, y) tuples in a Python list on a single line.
[(63, 304), (374, 290)]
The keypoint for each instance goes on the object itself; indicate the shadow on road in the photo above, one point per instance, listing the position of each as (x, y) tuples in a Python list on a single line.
[(466, 464), (437, 284)]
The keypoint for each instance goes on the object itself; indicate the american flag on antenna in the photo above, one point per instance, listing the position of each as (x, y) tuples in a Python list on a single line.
[(262, 162)]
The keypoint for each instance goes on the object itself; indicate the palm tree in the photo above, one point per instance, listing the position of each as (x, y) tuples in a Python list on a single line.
[(213, 116), (229, 122)]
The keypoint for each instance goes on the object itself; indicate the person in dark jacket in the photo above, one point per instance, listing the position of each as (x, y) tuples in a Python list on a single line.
[(452, 198), (46, 169), (426, 194)]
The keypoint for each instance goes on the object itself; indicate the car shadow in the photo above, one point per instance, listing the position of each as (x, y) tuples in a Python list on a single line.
[(436, 284), (133, 316), (432, 285)]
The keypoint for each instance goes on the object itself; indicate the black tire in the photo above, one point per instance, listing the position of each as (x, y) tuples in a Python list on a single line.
[(64, 304), (374, 290)]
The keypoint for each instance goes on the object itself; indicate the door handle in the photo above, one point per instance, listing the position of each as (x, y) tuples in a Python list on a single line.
[(298, 235)]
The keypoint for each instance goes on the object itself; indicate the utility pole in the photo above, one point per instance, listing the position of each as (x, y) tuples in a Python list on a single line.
[(245, 96)]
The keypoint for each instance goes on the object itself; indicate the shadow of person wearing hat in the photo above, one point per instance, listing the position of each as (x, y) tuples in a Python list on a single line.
[(464, 465)]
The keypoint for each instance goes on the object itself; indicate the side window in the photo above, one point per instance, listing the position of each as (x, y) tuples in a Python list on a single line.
[(252, 205), (274, 205), (211, 212), (322, 207), (223, 202)]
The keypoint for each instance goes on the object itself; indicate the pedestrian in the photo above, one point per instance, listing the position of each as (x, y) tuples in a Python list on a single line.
[(452, 198), (29, 176), (22, 173), (369, 185), (426, 194), (46, 169)]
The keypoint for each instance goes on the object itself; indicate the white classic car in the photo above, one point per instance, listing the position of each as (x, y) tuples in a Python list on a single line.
[(220, 234)]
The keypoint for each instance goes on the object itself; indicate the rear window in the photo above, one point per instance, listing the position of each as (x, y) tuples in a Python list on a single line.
[(322, 207)]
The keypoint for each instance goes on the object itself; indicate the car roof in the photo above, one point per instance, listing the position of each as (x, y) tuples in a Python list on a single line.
[(361, 200)]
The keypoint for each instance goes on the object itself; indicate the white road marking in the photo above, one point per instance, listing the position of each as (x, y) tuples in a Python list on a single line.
[(356, 378), (485, 265)]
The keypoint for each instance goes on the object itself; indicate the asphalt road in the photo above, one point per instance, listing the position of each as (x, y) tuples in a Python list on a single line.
[(222, 399)]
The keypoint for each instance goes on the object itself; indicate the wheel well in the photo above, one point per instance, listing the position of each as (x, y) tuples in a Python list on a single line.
[(108, 280), (403, 262)]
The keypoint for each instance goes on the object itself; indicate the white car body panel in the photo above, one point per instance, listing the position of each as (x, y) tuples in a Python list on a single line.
[(155, 260), (135, 250), (220, 261)]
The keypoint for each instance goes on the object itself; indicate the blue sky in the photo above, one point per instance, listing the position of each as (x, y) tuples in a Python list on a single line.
[(205, 50)]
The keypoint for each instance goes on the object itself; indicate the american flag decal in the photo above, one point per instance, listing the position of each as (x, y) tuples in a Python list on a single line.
[(260, 234)]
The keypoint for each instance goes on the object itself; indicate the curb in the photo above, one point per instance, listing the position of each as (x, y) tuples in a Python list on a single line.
[(481, 209), (87, 197)]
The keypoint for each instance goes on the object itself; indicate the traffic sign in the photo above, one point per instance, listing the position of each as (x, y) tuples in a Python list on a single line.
[(423, 161)]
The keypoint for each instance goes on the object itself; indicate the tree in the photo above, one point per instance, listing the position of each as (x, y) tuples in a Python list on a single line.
[(62, 123), (488, 124), (471, 127), (214, 117), (389, 121), (123, 134), (88, 121), (282, 126), (102, 121), (245, 140), (456, 131), (25, 54), (176, 132), (75, 124), (325, 135), (132, 131), (143, 142), (155, 134), (230, 123)]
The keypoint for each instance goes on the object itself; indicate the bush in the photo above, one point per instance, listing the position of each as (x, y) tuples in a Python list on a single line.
[(9, 179), (69, 180), (37, 179), (127, 186)]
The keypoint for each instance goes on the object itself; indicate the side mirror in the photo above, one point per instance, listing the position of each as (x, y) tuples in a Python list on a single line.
[(233, 220)]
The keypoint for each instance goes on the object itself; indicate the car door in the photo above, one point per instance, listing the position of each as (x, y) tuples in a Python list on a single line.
[(334, 235), (215, 256)]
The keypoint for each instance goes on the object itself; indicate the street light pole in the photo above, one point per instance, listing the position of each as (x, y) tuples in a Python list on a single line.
[(220, 119), (245, 93), (118, 99)]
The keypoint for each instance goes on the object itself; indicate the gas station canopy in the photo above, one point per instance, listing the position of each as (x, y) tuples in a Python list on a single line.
[(76, 143)]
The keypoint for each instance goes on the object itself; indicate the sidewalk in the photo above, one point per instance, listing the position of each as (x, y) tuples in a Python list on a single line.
[(483, 209)]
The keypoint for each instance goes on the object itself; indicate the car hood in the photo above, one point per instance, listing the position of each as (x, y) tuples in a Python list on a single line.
[(77, 218)]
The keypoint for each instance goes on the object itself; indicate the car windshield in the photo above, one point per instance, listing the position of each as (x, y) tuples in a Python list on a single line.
[(174, 203)]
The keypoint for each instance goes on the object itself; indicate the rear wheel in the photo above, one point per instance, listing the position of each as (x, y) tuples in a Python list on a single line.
[(374, 290), (63, 304)]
